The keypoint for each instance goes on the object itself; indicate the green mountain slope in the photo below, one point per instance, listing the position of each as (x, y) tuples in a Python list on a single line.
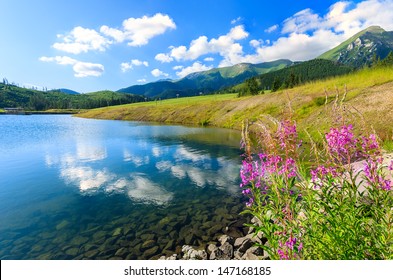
[(205, 81), (360, 49), (299, 73), (14, 96)]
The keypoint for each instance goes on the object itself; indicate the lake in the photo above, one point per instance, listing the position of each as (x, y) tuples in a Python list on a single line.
[(73, 188)]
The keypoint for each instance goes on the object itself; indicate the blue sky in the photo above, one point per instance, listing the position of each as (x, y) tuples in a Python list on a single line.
[(88, 45)]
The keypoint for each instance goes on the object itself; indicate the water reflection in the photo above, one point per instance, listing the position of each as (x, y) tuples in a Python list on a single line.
[(90, 182), (86, 178), (147, 163), (144, 190)]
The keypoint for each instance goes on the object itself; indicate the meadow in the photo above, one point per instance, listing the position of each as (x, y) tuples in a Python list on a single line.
[(367, 96)]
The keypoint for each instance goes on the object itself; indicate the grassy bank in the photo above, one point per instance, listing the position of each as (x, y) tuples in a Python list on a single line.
[(57, 112), (368, 97)]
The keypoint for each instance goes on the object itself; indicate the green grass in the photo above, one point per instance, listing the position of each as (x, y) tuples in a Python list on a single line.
[(369, 97)]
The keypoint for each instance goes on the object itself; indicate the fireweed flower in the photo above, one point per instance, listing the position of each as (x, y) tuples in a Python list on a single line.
[(289, 249), (287, 135), (370, 146), (341, 143), (373, 177), (321, 173)]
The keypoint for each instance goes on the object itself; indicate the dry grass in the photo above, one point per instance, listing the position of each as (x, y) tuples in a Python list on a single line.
[(368, 100)]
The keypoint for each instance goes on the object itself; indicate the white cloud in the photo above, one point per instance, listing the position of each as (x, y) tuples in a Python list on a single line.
[(141, 80), (177, 67), (164, 58), (137, 62), (209, 59), (236, 20), (87, 69), (81, 69), (157, 73), (62, 60), (118, 35), (82, 40), (224, 45), (195, 67), (134, 31), (306, 34), (125, 66), (256, 43), (271, 28), (138, 31)]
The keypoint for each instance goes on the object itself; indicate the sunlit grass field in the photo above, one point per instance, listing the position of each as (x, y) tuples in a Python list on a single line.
[(366, 96)]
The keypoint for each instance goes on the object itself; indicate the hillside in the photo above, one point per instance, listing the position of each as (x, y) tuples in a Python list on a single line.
[(370, 91), (362, 48), (296, 74), (205, 81), (14, 96)]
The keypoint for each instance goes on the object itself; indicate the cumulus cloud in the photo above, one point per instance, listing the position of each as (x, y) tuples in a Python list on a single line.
[(141, 80), (158, 73), (138, 31), (125, 66), (164, 58), (256, 43), (134, 31), (81, 40), (225, 45), (195, 67), (306, 34), (81, 69)]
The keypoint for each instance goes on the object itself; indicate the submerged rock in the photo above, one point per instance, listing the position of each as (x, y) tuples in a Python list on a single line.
[(62, 225), (118, 231), (150, 252)]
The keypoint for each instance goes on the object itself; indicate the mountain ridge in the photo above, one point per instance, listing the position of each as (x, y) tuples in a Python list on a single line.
[(206, 81), (362, 48)]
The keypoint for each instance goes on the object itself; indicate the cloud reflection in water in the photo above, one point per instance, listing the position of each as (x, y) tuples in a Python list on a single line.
[(88, 169)]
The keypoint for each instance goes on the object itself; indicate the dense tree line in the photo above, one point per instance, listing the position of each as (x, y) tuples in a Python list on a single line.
[(13, 96), (387, 61), (294, 75)]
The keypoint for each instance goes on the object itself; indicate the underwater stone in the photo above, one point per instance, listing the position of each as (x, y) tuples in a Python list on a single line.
[(150, 252), (62, 225), (99, 234), (147, 236), (121, 252), (148, 244), (72, 252), (169, 245), (91, 254), (118, 231), (79, 240)]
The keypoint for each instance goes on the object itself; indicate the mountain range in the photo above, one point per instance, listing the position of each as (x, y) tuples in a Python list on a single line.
[(358, 51), (363, 49), (207, 81)]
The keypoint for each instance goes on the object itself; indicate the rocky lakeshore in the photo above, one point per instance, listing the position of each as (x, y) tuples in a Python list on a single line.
[(227, 247)]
